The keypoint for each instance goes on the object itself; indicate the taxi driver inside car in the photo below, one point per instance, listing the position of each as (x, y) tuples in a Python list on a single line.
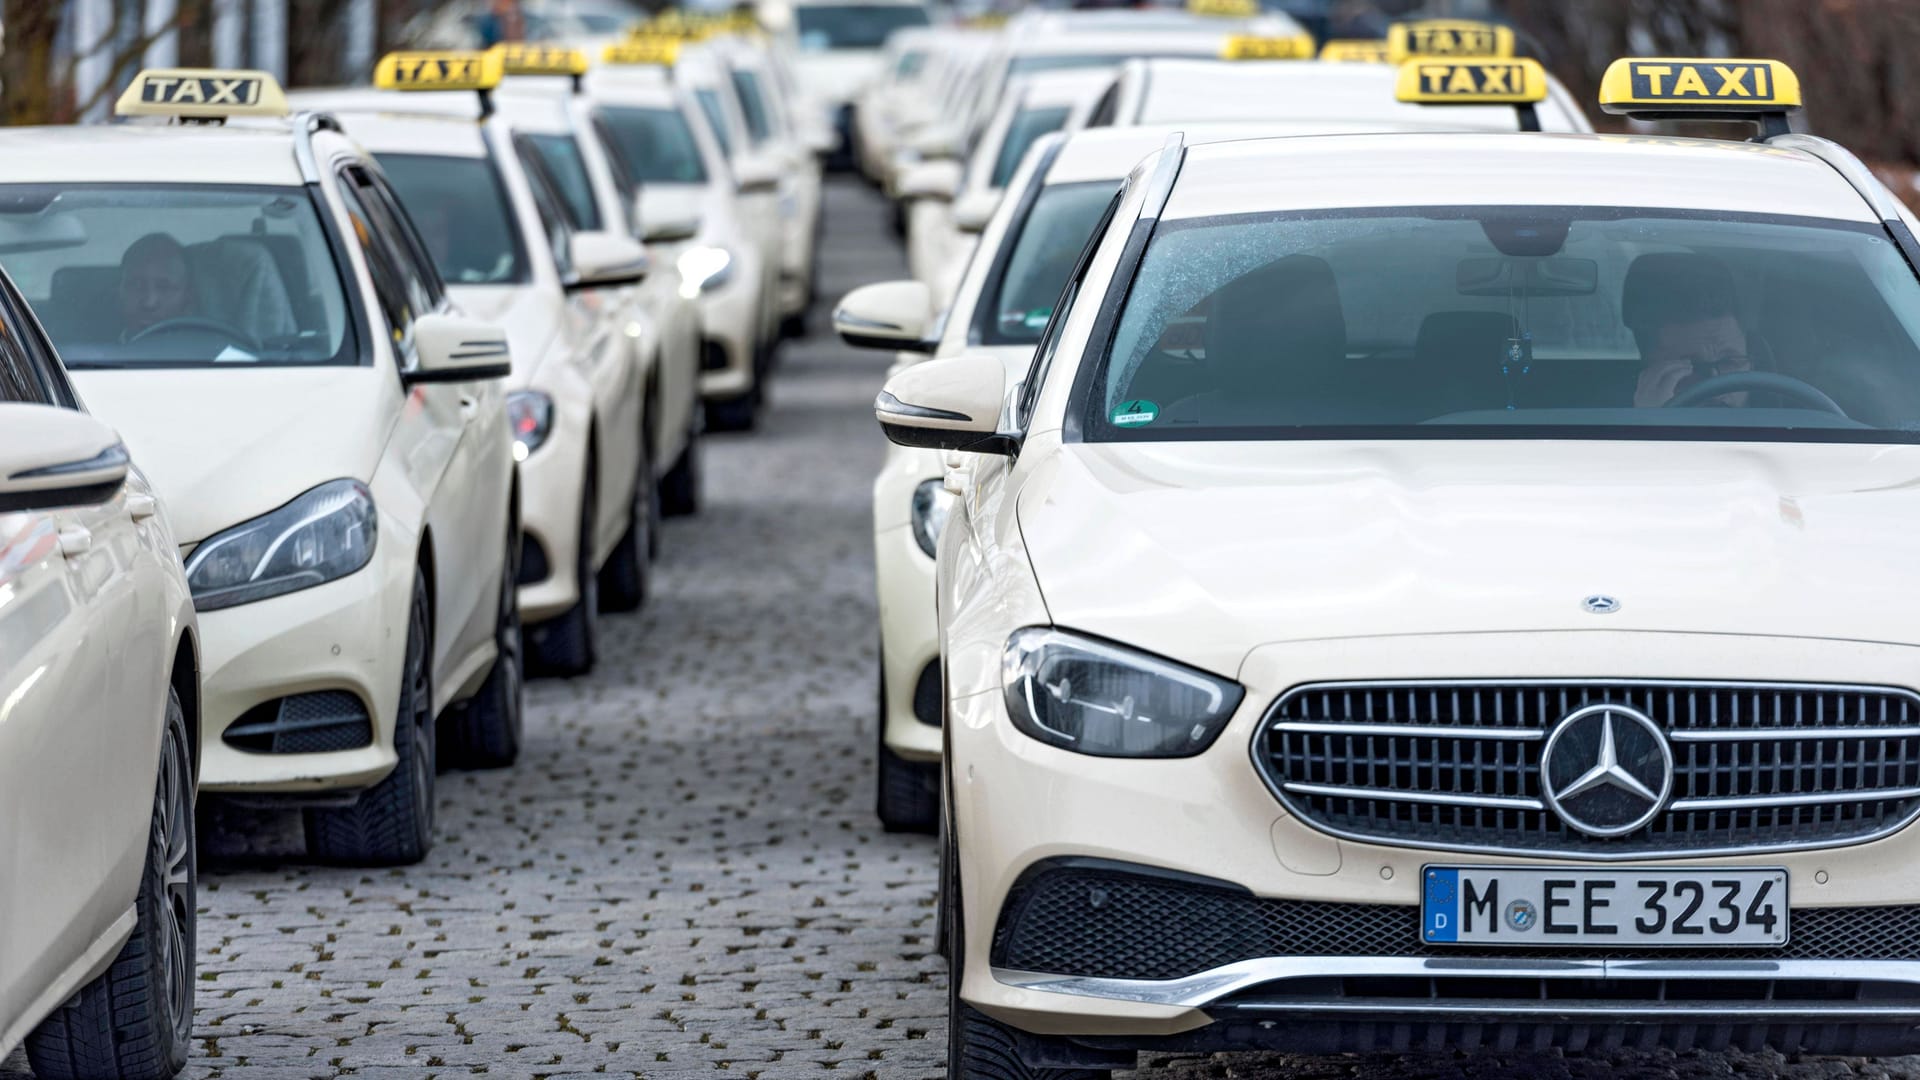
[(1341, 409)]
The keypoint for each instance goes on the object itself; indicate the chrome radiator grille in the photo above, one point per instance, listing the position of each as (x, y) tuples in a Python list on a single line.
[(1456, 765)]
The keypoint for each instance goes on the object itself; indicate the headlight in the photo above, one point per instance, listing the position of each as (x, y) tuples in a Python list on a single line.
[(931, 504), (324, 534), (530, 413), (702, 268), (1088, 696)]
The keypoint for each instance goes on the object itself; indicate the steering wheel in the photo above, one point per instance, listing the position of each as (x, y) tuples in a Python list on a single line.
[(1735, 381), (188, 323)]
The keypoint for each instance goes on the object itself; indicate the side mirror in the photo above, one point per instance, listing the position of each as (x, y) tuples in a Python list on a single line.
[(57, 457), (667, 228), (756, 176), (936, 142), (454, 348), (951, 404), (930, 180), (606, 259), (971, 214), (888, 315)]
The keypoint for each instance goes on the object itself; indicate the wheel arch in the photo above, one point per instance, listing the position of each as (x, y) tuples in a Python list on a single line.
[(184, 680)]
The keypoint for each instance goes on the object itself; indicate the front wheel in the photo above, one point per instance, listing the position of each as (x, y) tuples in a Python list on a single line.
[(484, 731), (135, 1021), (567, 644), (623, 581), (680, 489), (907, 793), (391, 824)]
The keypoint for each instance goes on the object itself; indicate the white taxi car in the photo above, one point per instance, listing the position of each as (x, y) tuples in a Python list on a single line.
[(839, 48), (692, 217), (99, 703), (253, 311), (1486, 637)]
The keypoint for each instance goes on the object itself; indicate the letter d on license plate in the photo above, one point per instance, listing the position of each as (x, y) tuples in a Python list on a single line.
[(1617, 906)]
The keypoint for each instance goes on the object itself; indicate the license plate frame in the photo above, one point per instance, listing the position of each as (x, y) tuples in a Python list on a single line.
[(1583, 899)]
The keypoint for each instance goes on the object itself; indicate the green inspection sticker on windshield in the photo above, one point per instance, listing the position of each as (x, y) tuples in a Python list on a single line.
[(1134, 413)]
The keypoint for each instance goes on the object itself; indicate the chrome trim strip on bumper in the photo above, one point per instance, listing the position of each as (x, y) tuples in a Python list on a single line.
[(1202, 989)]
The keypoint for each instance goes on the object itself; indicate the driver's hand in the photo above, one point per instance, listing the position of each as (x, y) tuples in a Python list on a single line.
[(1659, 382)]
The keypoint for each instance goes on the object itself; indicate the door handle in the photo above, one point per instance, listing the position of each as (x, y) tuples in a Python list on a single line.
[(142, 507), (75, 540)]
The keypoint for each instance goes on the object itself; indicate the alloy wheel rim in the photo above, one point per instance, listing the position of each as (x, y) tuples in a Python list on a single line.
[(420, 699), (177, 890)]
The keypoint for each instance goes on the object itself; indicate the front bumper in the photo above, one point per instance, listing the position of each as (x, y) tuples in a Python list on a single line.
[(1229, 923), (731, 315), (909, 634), (552, 481)]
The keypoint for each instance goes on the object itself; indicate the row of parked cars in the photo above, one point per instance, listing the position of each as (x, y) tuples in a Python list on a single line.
[(1368, 563), (325, 419)]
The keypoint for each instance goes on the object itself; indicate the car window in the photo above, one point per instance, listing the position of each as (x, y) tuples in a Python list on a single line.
[(460, 208), (1049, 345), (716, 118), (399, 304), (553, 219), (853, 26), (559, 158), (1515, 321), (1027, 125), (126, 275), (1017, 302), (759, 124), (20, 380), (416, 260), (655, 144)]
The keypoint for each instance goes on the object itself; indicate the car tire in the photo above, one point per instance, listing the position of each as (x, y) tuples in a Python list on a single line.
[(391, 824), (733, 414), (794, 325), (907, 793), (978, 1046), (680, 489), (484, 732), (624, 580), (135, 1021), (567, 644)]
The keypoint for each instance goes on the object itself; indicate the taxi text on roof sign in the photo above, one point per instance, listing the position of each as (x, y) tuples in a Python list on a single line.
[(450, 70), (1690, 84), (202, 94), (1472, 82), (1247, 47), (519, 58), (657, 49), (1448, 38), (1355, 51)]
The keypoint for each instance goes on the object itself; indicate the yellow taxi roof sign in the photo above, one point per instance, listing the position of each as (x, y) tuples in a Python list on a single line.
[(451, 69), (1250, 47), (1449, 38), (202, 94), (660, 50), (1355, 51), (1658, 87), (1230, 8), (520, 58), (1472, 82)]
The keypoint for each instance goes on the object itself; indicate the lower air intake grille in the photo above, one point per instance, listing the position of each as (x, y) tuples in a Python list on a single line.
[(303, 724)]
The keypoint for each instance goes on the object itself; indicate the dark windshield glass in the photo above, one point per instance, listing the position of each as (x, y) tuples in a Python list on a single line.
[(716, 118), (462, 212), (656, 145), (1515, 321), (854, 26), (177, 276), (1028, 125), (747, 85), (1015, 306), (560, 155)]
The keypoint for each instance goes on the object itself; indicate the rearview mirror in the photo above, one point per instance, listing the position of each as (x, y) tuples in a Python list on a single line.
[(57, 457), (605, 260), (929, 180), (971, 214), (936, 142), (756, 176), (1497, 275), (666, 227), (951, 404), (887, 315), (454, 348)]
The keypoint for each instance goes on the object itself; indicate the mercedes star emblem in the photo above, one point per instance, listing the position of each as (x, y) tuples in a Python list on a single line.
[(1606, 769), (1600, 604)]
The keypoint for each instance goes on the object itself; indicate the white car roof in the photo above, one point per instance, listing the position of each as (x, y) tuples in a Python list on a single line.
[(631, 84), (1200, 41), (395, 131), (1468, 169), (1111, 153), (1179, 90), (1047, 88), (1159, 20), (253, 152)]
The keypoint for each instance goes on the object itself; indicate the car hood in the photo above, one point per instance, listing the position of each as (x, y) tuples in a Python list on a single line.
[(1203, 551), (836, 75), (222, 446), (531, 316)]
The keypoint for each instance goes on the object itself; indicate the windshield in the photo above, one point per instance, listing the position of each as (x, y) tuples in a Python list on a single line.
[(560, 157), (178, 276), (1515, 322), (656, 145), (716, 118), (462, 213), (747, 85), (1027, 125), (1017, 301), (854, 26)]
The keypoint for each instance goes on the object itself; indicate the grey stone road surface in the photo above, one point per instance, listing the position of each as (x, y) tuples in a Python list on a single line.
[(682, 877)]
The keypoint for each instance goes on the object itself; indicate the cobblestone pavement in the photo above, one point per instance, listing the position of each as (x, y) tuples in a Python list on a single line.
[(683, 876)]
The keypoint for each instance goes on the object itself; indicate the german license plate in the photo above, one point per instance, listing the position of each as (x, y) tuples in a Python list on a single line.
[(1625, 906)]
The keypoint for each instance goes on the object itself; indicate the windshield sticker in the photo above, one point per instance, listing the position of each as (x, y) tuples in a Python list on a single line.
[(1135, 413)]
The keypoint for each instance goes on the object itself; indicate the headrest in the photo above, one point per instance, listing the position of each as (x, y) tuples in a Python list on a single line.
[(1663, 288), (1463, 335)]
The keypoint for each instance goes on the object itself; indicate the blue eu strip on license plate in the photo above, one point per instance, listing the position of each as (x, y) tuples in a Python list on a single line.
[(1612, 906)]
